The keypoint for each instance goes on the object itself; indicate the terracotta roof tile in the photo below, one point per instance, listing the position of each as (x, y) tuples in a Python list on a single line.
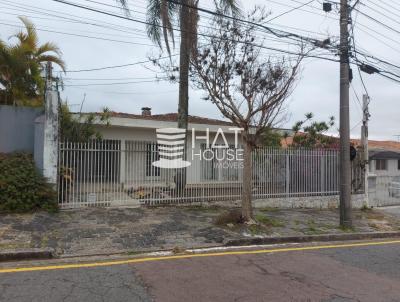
[(172, 117), (380, 145), (373, 144)]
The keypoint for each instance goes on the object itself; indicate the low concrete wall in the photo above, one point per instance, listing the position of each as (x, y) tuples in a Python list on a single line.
[(17, 128), (311, 202)]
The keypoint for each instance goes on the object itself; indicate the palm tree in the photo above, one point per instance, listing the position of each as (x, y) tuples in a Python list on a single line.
[(160, 16), (21, 65)]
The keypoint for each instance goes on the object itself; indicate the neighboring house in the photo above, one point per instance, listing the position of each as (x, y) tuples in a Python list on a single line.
[(384, 162), (384, 157), (384, 177), (384, 172)]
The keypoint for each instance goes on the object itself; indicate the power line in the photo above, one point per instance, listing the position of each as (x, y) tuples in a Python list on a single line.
[(75, 18), (378, 22), (378, 39), (117, 83), (289, 11), (124, 92), (119, 66), (82, 36), (84, 7), (126, 35), (278, 33), (105, 79), (304, 10), (354, 46), (383, 8), (382, 14), (390, 5), (357, 98)]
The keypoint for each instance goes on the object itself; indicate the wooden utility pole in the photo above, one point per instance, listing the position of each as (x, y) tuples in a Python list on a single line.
[(345, 165), (364, 142)]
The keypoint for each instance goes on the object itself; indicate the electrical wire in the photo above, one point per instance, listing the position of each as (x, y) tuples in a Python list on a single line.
[(289, 11), (119, 66)]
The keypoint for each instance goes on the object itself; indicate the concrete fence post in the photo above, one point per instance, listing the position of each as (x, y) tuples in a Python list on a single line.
[(50, 144)]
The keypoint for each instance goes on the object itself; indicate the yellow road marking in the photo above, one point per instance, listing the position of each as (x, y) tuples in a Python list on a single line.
[(141, 260)]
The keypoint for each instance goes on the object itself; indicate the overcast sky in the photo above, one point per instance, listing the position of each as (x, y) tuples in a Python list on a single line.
[(317, 89)]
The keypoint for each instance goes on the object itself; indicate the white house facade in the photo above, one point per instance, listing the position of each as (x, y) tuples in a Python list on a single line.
[(385, 163)]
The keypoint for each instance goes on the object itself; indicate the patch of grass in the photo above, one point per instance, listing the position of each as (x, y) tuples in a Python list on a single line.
[(365, 208), (206, 209), (328, 226), (269, 209), (11, 246), (312, 228), (268, 221), (255, 229), (375, 215), (44, 241), (314, 231), (232, 216), (359, 216), (374, 226), (311, 223), (347, 229), (133, 253)]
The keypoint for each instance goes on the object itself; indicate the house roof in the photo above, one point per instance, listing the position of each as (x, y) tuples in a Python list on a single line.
[(373, 145), (171, 117), (384, 155), (380, 145)]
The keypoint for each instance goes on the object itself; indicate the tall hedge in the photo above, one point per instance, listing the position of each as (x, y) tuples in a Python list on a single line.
[(22, 187)]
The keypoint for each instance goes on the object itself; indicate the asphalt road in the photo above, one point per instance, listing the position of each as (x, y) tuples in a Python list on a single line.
[(357, 273)]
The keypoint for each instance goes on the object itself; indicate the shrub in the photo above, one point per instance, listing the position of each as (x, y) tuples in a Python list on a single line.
[(22, 187)]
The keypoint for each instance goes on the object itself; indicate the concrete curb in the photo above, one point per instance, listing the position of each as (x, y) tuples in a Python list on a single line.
[(26, 254), (311, 238)]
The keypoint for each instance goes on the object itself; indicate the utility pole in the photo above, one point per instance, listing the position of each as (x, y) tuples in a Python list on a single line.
[(364, 142), (49, 160), (345, 165), (49, 76)]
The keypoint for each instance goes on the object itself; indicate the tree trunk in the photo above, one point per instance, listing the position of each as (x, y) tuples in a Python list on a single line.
[(183, 105), (247, 208), (184, 60)]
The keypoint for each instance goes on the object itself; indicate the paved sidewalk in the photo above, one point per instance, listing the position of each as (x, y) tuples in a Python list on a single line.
[(114, 230)]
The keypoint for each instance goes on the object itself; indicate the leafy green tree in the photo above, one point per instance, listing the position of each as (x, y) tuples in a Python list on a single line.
[(311, 134), (80, 127), (21, 65), (271, 138)]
